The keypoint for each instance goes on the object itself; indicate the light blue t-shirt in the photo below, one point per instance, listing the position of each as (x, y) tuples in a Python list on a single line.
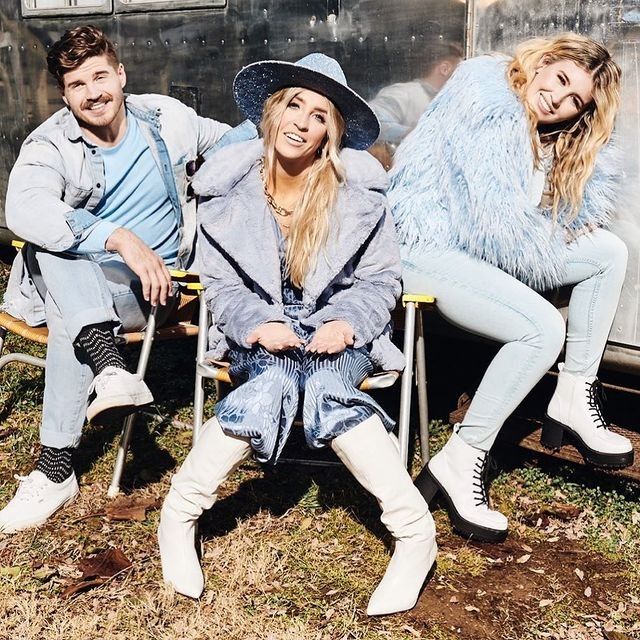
[(135, 197)]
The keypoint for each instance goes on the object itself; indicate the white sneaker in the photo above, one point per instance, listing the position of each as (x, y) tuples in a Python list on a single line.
[(116, 388), (36, 499)]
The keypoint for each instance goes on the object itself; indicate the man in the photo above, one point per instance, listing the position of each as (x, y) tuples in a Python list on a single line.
[(99, 191), (399, 106)]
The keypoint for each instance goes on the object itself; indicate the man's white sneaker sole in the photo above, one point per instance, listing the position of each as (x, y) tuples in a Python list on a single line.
[(122, 404), (117, 392)]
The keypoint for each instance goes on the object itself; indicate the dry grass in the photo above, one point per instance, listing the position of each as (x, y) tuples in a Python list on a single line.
[(294, 554)]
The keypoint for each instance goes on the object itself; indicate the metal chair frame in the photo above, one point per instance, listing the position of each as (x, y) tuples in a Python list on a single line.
[(39, 334), (414, 345)]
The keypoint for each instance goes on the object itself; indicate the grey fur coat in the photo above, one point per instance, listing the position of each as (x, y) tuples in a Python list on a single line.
[(357, 277)]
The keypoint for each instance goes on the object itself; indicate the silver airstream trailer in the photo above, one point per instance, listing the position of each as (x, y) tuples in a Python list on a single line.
[(191, 49)]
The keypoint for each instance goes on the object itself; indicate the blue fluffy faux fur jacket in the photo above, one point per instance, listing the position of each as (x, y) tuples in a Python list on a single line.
[(462, 180)]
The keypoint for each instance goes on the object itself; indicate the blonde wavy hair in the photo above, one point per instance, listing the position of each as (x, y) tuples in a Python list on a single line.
[(311, 217), (577, 142)]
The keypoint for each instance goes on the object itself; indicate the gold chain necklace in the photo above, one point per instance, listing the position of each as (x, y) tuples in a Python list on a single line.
[(281, 211)]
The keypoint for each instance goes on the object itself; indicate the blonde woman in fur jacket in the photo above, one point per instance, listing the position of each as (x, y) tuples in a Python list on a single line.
[(503, 190)]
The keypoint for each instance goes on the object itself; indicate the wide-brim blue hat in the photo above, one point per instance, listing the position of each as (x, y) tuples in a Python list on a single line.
[(318, 72)]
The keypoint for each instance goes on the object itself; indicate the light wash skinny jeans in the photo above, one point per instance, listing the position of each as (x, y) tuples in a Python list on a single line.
[(485, 300), (79, 292)]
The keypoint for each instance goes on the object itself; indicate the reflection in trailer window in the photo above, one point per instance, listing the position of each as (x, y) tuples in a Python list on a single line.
[(165, 5), (65, 7)]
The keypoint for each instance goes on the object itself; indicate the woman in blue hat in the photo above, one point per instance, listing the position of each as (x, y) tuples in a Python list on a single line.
[(301, 270)]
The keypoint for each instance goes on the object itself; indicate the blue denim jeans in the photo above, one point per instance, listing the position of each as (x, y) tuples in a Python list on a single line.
[(78, 292), (484, 300)]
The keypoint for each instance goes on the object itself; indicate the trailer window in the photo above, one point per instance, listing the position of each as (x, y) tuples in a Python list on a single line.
[(65, 7), (165, 5)]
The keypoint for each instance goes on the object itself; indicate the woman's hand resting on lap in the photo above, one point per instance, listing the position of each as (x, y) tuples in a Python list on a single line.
[(331, 337), (274, 337)]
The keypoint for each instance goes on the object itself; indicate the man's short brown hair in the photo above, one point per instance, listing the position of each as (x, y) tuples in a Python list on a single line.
[(75, 47)]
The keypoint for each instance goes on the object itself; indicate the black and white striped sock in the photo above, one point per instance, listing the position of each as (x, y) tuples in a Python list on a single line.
[(100, 347), (56, 464)]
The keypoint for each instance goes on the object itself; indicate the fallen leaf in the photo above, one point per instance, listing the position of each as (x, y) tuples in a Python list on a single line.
[(79, 587), (129, 509), (545, 603), (306, 523), (587, 592), (10, 571), (453, 599), (553, 539), (539, 571), (524, 558), (470, 607), (527, 548), (331, 593), (104, 565), (616, 635), (579, 573), (44, 574), (328, 613)]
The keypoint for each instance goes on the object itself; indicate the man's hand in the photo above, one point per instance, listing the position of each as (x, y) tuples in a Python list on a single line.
[(274, 337), (332, 337), (145, 263)]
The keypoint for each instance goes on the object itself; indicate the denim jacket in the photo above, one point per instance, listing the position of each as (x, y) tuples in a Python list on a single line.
[(58, 179)]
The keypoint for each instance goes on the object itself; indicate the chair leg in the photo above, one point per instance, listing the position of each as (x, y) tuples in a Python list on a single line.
[(127, 429), (407, 377), (421, 381), (198, 396)]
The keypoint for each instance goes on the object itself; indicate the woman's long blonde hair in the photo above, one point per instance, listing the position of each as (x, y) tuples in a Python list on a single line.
[(577, 143), (312, 216)]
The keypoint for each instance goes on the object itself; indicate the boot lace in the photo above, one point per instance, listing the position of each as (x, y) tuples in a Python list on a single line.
[(480, 470), (595, 399)]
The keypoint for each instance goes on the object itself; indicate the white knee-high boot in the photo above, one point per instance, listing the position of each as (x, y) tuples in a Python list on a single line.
[(193, 489), (371, 456)]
